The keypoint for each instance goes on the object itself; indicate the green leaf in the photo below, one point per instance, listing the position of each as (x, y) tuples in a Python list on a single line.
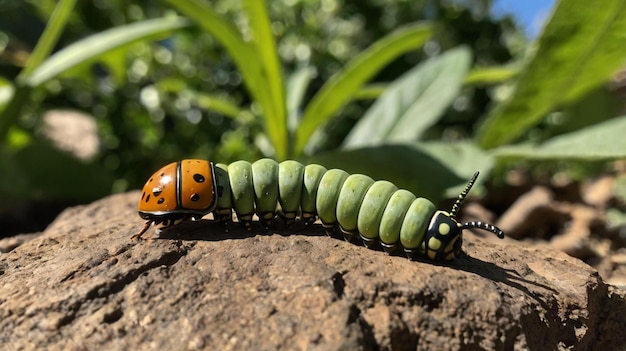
[(604, 141), (276, 118), (370, 91), (491, 75), (409, 167), (342, 86), (413, 102), (218, 104), (20, 94), (240, 50), (597, 106), (88, 49), (296, 88), (115, 61), (579, 49), (49, 37), (464, 157)]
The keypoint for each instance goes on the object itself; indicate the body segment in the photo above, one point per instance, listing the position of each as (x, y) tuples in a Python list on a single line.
[(349, 202), (311, 179), (240, 176), (393, 216), (290, 178), (223, 210), (415, 222), (265, 181), (328, 194), (372, 208)]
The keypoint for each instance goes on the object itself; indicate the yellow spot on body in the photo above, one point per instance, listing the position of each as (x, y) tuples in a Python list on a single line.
[(432, 254), (434, 244), (444, 228)]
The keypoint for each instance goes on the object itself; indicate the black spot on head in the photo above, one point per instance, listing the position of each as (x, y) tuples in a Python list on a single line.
[(156, 191), (195, 197), (143, 195), (161, 200), (199, 178), (162, 174), (148, 198)]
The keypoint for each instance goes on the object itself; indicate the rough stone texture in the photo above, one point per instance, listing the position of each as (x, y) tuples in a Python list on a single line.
[(83, 285)]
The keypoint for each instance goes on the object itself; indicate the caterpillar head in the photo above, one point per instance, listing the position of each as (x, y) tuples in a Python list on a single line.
[(444, 236)]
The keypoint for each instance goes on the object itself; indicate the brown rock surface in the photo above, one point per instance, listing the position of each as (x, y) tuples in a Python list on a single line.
[(84, 285)]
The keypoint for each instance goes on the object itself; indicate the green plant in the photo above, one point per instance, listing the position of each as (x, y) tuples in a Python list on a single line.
[(574, 57), (287, 112)]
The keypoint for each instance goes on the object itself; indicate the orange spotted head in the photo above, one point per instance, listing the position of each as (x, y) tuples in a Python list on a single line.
[(178, 191)]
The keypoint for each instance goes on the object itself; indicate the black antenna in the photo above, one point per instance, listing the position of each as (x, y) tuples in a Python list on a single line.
[(485, 226), (462, 196), (479, 225)]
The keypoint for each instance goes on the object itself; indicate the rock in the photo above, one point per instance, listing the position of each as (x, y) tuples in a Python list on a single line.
[(529, 212), (576, 239), (10, 243), (599, 192), (83, 284)]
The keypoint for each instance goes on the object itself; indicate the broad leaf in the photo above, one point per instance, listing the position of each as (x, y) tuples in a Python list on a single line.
[(579, 49), (91, 47), (413, 102), (463, 157), (342, 86), (604, 141)]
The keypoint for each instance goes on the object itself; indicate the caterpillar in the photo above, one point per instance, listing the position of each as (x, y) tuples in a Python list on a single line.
[(376, 211)]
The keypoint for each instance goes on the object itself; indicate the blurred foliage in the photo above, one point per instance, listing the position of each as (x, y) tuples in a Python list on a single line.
[(292, 78)]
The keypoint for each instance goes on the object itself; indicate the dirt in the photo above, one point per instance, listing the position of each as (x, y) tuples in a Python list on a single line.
[(572, 218)]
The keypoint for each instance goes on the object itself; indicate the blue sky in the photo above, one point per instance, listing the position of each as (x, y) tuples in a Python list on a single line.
[(529, 13)]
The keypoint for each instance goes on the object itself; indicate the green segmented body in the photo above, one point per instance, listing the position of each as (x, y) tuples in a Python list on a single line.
[(377, 211)]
